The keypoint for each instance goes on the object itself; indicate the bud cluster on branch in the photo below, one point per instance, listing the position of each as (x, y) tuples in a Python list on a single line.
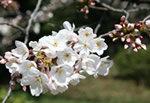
[(130, 33)]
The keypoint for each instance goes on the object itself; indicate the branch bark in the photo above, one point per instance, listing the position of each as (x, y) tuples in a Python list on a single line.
[(7, 96), (30, 21), (14, 26)]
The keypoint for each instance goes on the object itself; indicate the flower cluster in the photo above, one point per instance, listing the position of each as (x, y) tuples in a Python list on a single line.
[(88, 3), (57, 60), (130, 34)]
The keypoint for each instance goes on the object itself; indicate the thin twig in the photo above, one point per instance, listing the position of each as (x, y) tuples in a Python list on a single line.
[(116, 10), (107, 7), (7, 96), (147, 17), (107, 34), (14, 26), (30, 20)]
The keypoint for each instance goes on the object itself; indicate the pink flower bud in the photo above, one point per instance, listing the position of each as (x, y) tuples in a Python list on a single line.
[(122, 39), (126, 46), (114, 32), (126, 23), (138, 25), (141, 37), (110, 35), (144, 46), (121, 34), (86, 11), (115, 39), (135, 50), (94, 36), (136, 30), (139, 48), (131, 25), (82, 10), (138, 41), (133, 45), (2, 61), (74, 40), (147, 23), (128, 40), (92, 3), (141, 22), (117, 26), (123, 18), (24, 88)]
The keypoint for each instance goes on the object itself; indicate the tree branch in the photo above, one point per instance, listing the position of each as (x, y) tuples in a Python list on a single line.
[(30, 21), (147, 17), (14, 26), (107, 7), (107, 34), (7, 96)]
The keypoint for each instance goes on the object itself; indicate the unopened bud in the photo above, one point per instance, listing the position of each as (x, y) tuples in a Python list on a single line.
[(126, 23), (86, 11), (110, 35), (82, 10), (131, 25), (121, 34), (138, 41), (141, 37), (139, 48), (115, 39), (126, 46), (123, 18), (135, 50), (114, 32), (117, 26), (144, 46), (147, 23), (128, 40), (136, 30), (2, 61), (138, 25), (133, 45), (92, 3), (122, 39)]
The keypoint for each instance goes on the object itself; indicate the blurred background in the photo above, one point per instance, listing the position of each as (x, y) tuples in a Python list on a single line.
[(129, 78)]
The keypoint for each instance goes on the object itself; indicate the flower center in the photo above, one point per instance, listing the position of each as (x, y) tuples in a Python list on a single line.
[(86, 34), (55, 43), (98, 44), (38, 79), (59, 71)]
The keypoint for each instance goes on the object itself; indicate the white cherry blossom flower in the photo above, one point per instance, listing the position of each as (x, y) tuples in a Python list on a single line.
[(103, 67), (99, 46), (86, 33), (28, 67), (60, 74), (13, 65), (36, 81), (21, 51), (59, 89), (56, 43), (75, 78), (84, 45), (35, 45), (68, 56)]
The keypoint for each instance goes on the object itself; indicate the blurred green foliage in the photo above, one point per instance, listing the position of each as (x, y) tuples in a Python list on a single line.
[(132, 65), (90, 90)]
